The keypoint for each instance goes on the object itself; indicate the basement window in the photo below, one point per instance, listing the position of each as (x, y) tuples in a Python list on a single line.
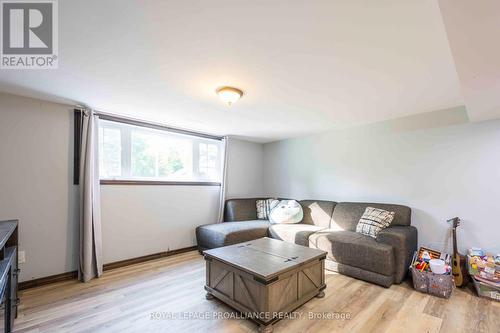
[(132, 154)]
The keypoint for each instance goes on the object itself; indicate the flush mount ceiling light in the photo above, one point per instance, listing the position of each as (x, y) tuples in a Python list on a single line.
[(229, 95)]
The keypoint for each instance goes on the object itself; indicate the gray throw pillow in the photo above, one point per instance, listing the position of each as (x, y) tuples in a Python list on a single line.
[(264, 208)]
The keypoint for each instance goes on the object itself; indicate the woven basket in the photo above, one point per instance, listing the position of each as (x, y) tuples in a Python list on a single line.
[(434, 284)]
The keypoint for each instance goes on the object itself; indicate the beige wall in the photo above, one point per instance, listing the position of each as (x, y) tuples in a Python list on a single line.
[(36, 183), (142, 220), (245, 169)]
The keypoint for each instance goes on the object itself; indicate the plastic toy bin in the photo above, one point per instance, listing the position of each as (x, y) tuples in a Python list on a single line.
[(487, 291)]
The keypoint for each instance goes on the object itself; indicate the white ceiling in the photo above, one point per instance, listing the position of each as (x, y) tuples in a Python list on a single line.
[(473, 30), (305, 66)]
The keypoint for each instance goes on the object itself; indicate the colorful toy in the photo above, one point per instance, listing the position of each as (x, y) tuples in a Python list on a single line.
[(426, 256), (485, 269), (422, 258), (476, 251), (421, 266), (473, 269)]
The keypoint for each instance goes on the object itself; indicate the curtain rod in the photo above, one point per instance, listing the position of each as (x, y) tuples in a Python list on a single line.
[(150, 124)]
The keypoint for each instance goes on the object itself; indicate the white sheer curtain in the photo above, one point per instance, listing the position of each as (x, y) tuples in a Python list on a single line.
[(90, 206), (225, 144)]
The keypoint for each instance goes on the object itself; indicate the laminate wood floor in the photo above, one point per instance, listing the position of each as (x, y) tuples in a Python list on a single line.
[(161, 296)]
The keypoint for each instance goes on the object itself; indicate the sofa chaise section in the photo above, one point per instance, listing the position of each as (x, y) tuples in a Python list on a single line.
[(240, 225), (215, 235)]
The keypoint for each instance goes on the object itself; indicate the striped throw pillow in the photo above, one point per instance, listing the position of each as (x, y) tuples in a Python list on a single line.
[(264, 208), (374, 220)]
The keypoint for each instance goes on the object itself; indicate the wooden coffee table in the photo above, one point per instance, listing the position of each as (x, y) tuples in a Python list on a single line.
[(265, 278)]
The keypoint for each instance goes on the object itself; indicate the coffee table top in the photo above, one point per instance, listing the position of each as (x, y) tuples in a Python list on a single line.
[(265, 257)]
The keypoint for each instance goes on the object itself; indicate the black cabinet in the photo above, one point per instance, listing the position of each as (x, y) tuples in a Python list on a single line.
[(8, 274), (4, 309)]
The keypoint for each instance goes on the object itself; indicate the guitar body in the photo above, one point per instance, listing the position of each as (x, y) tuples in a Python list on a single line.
[(458, 269)]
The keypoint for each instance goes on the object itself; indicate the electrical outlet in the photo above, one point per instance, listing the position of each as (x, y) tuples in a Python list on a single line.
[(21, 257)]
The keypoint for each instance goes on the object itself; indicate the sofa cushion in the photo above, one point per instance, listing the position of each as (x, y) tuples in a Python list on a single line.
[(293, 233), (210, 236), (241, 209), (356, 250), (360, 273), (317, 212), (346, 215)]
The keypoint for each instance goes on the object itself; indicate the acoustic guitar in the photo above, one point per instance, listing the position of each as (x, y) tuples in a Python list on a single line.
[(458, 269)]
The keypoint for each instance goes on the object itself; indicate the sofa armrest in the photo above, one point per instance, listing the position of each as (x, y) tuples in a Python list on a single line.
[(404, 241)]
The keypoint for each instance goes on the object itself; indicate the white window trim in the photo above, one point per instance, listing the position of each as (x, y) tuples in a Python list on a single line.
[(126, 137)]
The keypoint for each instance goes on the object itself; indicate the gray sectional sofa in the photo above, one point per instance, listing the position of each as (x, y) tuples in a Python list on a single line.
[(328, 226)]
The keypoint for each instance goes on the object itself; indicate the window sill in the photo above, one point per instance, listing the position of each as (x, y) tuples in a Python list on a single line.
[(155, 182)]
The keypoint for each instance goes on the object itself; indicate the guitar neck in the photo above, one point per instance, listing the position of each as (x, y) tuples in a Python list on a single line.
[(455, 251)]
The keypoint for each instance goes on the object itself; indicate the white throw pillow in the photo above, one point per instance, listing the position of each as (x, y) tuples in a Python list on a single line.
[(287, 211)]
